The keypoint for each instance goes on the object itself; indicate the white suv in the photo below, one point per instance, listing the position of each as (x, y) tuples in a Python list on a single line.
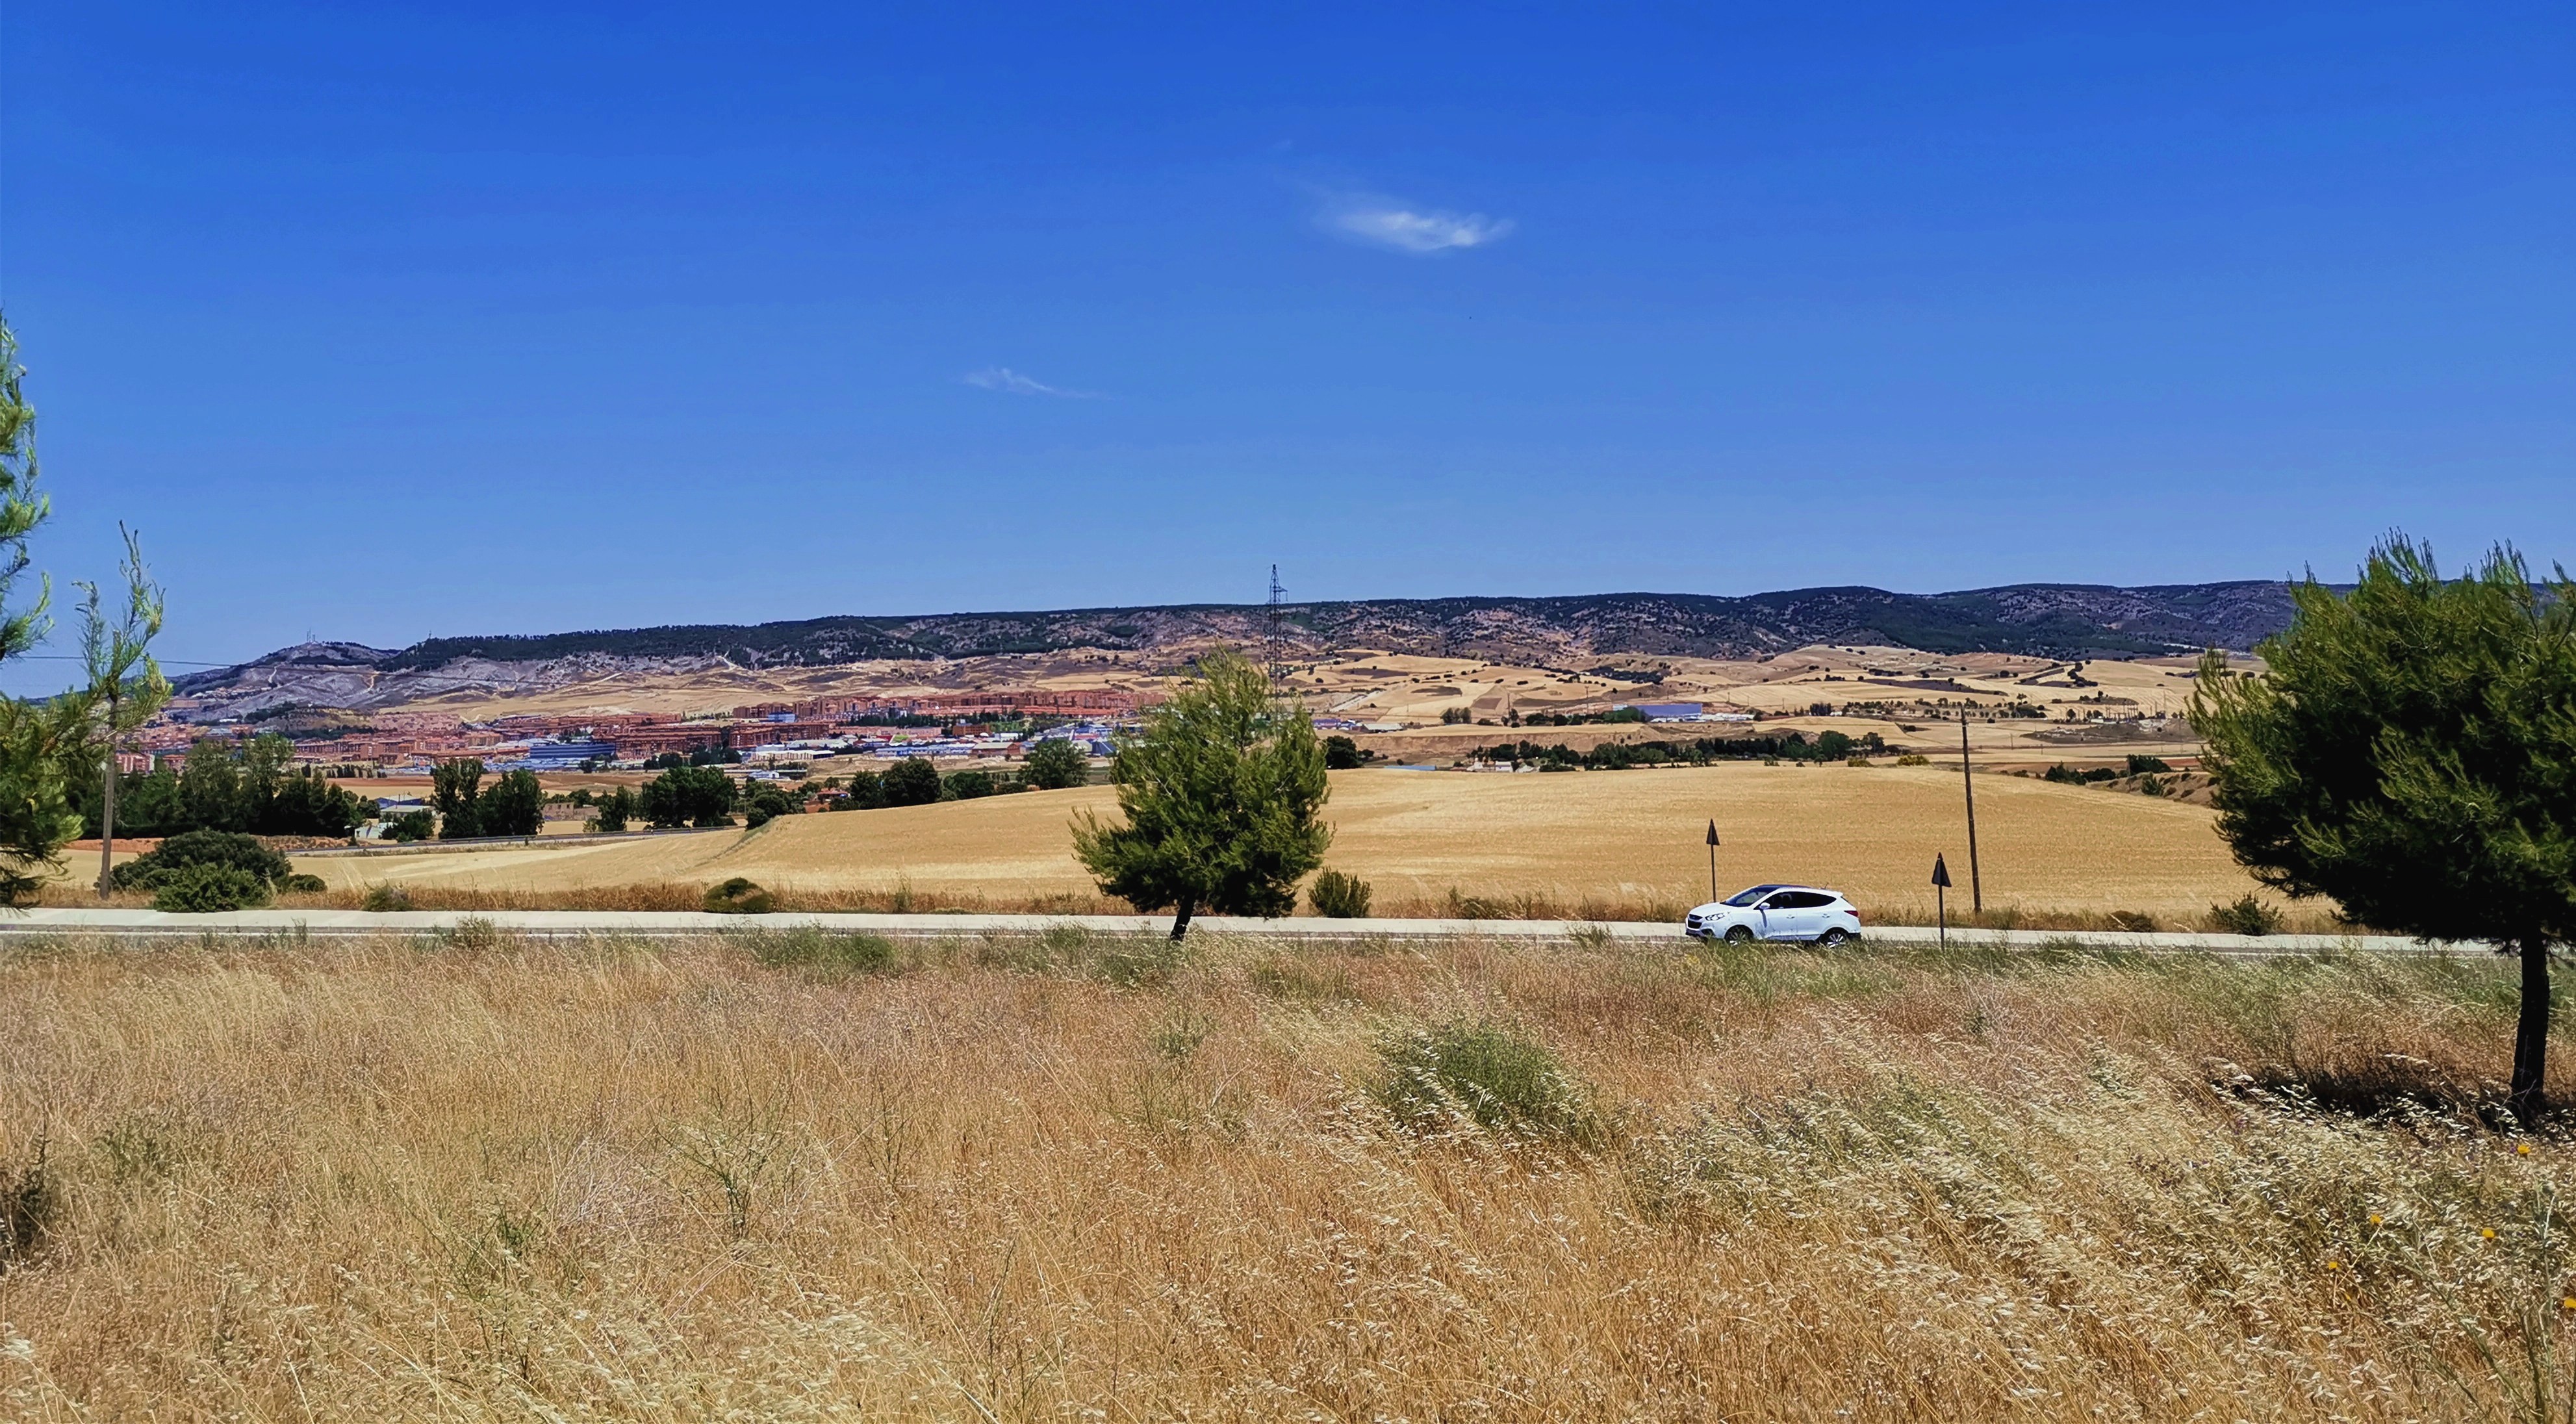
[(1800, 912)]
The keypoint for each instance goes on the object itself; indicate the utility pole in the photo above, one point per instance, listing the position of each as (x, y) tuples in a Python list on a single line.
[(1968, 780)]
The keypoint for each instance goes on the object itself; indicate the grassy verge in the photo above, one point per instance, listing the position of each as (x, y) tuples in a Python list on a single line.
[(776, 1174)]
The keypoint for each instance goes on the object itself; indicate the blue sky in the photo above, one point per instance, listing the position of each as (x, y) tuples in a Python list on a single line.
[(387, 320)]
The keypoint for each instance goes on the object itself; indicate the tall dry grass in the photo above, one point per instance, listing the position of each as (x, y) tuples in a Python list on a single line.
[(1059, 1176)]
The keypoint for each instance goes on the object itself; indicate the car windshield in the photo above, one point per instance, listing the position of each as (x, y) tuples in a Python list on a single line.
[(1747, 897)]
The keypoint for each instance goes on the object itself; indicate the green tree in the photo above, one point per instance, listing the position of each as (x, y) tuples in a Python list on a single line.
[(912, 781), (611, 812), (515, 806), (1055, 764), (1220, 794), (122, 680), (968, 786), (456, 791), (307, 804), (689, 796), (2411, 754), (1342, 754), (767, 802), (210, 787)]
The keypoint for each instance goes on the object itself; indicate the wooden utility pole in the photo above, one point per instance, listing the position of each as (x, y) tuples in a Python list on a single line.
[(1968, 780), (107, 804)]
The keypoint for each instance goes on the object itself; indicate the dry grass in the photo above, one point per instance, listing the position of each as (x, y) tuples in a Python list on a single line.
[(1600, 839), (1055, 1176)]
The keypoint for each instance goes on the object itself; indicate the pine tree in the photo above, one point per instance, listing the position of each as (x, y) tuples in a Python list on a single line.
[(2411, 753), (1220, 794)]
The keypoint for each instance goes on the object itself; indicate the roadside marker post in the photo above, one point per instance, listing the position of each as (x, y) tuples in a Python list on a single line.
[(1941, 895), (1712, 859)]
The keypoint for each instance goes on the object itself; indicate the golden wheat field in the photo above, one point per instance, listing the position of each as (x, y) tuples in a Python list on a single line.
[(1051, 1177), (1632, 837)]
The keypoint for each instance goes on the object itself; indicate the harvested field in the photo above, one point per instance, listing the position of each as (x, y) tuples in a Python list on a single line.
[(1601, 840), (1057, 1177)]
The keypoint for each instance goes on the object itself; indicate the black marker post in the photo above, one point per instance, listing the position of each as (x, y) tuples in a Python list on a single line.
[(1941, 895), (1712, 860)]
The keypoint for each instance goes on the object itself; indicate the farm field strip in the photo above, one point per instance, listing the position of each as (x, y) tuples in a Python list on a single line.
[(1631, 836)]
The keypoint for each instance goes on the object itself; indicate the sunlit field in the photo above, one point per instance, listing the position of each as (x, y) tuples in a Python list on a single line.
[(1053, 1176), (1588, 845)]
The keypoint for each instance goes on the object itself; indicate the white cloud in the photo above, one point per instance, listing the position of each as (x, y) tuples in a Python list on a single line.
[(1386, 223), (1010, 382)]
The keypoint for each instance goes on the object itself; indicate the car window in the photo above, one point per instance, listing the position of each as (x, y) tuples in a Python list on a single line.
[(1785, 900), (1743, 898), (1799, 900)]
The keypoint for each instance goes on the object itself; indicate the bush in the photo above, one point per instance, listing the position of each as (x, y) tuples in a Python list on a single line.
[(1856, 761), (386, 899), (813, 947), (1054, 765), (968, 786), (1486, 1074), (1337, 896), (767, 803), (2142, 765), (1342, 754), (2248, 916), (738, 897), (208, 888), (1914, 759), (190, 849), (303, 885)]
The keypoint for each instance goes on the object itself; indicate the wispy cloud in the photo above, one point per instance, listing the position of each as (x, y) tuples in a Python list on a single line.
[(1010, 382), (1385, 222)]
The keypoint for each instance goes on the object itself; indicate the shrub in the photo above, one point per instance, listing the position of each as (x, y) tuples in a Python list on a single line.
[(738, 896), (1487, 1074), (2135, 921), (207, 888), (1337, 896), (2141, 765), (811, 946), (1857, 761), (967, 786), (1342, 754), (303, 885), (31, 1199), (2248, 916), (189, 849), (385, 899), (1914, 759)]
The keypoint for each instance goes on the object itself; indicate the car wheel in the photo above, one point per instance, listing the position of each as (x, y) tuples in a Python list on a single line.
[(1832, 937), (1740, 934)]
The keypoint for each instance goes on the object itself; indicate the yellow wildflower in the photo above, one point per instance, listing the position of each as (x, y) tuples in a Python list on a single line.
[(2487, 1232)]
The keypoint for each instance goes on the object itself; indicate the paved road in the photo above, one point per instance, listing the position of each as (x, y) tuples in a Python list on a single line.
[(152, 924)]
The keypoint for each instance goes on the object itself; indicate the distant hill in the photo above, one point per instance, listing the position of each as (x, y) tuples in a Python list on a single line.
[(2046, 620)]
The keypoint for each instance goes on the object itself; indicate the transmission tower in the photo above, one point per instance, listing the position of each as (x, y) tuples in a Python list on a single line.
[(1277, 593)]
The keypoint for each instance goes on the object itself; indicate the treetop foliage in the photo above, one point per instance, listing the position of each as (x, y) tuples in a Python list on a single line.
[(2411, 752), (1219, 794)]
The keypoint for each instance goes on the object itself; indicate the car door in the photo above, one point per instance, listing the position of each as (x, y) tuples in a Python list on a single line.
[(1794, 914)]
